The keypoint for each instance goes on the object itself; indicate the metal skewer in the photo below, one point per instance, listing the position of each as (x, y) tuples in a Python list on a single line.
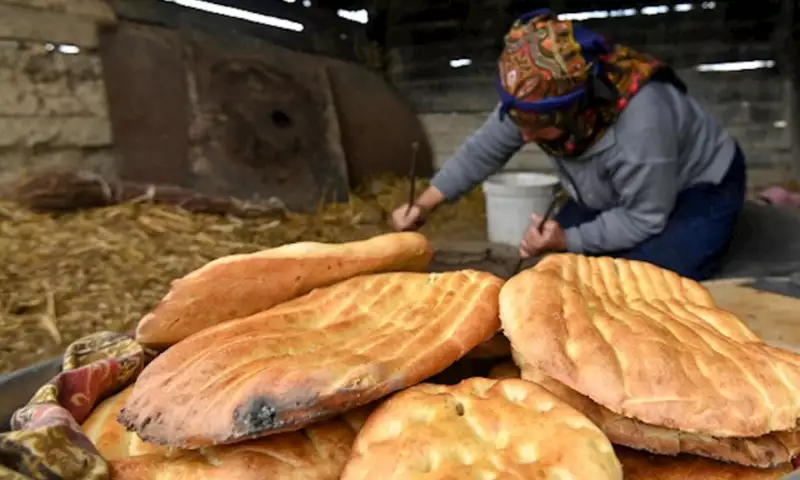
[(412, 177)]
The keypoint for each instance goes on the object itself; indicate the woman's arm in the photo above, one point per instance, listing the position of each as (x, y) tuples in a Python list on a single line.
[(481, 155)]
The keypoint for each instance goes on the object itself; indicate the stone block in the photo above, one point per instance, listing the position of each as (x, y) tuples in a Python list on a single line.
[(449, 123), (42, 65), (21, 23), (13, 158), (99, 10), (53, 132), (24, 98), (748, 113), (20, 161), (736, 87), (34, 81), (448, 131), (100, 160), (761, 137)]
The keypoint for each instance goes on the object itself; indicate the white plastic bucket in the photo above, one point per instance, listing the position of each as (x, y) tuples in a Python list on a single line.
[(511, 199)]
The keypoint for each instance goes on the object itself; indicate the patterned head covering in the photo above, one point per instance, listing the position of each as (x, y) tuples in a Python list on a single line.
[(556, 74)]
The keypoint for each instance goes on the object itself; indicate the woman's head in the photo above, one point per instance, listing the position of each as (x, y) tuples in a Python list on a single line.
[(564, 85), (542, 61)]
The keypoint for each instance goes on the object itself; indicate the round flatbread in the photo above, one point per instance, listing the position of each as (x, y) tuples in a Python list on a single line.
[(318, 452), (650, 345), (480, 429), (311, 358)]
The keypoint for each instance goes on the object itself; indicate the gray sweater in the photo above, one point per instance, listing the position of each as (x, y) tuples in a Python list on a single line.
[(662, 144)]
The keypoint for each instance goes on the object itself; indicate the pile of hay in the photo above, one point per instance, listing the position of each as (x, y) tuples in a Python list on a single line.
[(64, 276)]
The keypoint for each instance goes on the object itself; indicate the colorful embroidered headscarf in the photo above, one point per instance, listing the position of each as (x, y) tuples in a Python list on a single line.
[(556, 74)]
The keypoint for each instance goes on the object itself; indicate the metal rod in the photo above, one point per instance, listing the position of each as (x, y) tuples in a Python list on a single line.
[(548, 213), (412, 178)]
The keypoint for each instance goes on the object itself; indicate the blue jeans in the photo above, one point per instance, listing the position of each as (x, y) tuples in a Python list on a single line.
[(698, 231)]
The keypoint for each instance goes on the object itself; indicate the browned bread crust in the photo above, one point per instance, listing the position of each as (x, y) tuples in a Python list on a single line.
[(771, 450), (311, 358), (318, 452), (111, 439), (649, 345), (480, 428), (643, 466), (237, 286)]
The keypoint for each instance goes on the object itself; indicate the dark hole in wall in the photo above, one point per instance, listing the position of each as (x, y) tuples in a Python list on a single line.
[(281, 119)]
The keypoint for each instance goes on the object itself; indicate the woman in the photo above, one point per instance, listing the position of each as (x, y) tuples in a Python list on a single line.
[(651, 176)]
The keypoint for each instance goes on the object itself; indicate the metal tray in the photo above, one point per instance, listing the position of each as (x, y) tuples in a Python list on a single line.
[(16, 388)]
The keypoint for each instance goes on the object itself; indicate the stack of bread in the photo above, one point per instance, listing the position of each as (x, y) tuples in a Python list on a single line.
[(650, 359), (308, 361)]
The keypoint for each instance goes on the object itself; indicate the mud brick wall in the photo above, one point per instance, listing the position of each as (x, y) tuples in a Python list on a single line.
[(52, 105), (452, 102)]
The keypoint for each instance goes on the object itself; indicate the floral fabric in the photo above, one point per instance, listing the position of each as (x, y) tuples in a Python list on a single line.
[(46, 441)]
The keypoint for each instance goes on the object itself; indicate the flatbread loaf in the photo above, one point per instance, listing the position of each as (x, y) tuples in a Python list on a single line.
[(642, 466), (648, 344), (312, 358), (480, 428), (771, 450), (319, 452), (638, 465), (237, 286)]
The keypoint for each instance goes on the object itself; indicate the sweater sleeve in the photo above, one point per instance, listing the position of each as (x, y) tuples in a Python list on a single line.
[(485, 152), (645, 176)]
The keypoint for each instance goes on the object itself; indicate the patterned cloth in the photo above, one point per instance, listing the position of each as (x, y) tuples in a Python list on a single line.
[(46, 441), (542, 59)]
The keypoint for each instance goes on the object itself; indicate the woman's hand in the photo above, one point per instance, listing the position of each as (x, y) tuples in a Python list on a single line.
[(552, 238), (404, 219)]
